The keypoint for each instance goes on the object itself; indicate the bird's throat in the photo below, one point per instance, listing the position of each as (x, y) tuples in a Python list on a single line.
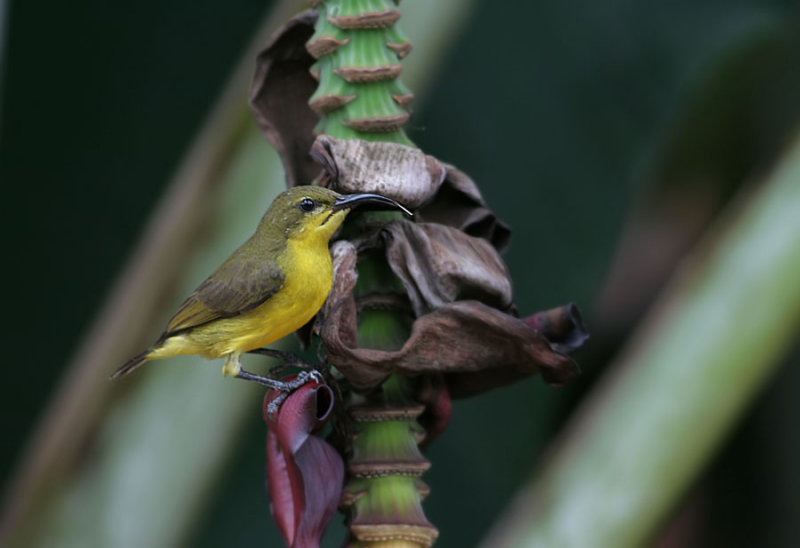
[(329, 224)]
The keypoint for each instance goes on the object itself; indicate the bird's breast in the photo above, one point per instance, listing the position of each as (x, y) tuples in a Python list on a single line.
[(309, 276)]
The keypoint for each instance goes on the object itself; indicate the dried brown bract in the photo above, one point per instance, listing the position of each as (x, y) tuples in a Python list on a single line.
[(456, 285), (475, 346), (279, 96)]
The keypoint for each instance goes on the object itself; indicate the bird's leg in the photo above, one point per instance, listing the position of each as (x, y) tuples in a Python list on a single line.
[(282, 386), (287, 358), (232, 367)]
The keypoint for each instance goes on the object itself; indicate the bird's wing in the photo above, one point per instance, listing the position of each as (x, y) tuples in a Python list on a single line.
[(238, 286)]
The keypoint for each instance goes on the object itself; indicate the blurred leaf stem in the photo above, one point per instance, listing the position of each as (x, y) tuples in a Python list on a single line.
[(714, 337)]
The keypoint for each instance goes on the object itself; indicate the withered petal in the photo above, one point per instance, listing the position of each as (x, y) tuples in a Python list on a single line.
[(444, 194), (464, 340), (459, 204), (304, 473), (460, 337), (279, 94), (439, 264), (403, 173), (562, 327)]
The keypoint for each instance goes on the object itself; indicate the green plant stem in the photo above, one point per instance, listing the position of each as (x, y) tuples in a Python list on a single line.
[(360, 49), (383, 492), (715, 337)]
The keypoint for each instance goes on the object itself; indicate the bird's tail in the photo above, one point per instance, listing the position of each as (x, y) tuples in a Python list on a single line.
[(132, 364)]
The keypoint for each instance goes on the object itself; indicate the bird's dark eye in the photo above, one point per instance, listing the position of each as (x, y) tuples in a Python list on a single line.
[(307, 204)]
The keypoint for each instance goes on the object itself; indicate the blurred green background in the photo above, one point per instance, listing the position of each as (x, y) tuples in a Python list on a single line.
[(560, 111)]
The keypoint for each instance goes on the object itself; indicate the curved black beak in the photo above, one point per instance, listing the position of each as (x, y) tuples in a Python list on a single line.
[(350, 201)]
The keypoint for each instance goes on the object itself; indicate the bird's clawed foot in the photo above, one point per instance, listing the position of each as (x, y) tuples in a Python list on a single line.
[(288, 387), (233, 368)]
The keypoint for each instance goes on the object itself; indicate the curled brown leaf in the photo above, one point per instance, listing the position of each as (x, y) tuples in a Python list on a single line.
[(279, 97), (403, 173), (458, 339)]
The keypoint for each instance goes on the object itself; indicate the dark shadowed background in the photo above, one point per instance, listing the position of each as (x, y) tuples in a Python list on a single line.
[(555, 109)]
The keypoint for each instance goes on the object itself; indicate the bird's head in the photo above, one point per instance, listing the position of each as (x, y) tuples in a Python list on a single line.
[(317, 212)]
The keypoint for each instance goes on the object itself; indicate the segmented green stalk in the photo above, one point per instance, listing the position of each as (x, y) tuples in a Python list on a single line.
[(358, 50)]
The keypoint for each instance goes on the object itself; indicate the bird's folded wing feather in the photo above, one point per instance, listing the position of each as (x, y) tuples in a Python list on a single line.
[(238, 286)]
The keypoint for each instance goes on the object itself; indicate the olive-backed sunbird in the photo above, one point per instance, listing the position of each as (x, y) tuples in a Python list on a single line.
[(269, 287)]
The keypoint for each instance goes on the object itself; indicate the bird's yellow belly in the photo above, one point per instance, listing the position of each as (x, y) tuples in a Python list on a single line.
[(309, 275)]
